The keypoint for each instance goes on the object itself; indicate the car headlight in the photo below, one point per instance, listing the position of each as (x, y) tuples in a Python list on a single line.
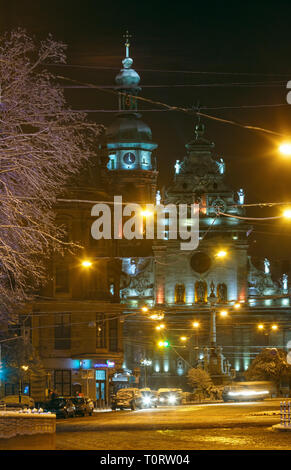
[(172, 399), (147, 400)]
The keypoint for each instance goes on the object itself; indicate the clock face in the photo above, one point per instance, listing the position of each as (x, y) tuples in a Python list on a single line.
[(129, 158)]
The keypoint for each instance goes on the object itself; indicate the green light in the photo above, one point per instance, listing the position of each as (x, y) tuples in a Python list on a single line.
[(166, 344)]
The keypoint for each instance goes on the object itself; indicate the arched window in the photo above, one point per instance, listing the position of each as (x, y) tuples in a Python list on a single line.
[(200, 292), (179, 294)]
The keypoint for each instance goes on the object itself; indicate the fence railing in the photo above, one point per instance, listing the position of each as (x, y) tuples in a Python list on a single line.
[(285, 412)]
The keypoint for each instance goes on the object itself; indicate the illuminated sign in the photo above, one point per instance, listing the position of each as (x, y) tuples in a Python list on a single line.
[(107, 364)]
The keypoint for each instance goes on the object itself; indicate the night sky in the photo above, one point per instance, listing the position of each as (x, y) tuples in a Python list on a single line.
[(242, 51)]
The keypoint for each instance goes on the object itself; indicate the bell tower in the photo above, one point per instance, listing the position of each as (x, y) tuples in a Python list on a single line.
[(131, 165)]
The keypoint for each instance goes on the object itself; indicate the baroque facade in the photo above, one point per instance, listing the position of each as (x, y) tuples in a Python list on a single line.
[(182, 288)]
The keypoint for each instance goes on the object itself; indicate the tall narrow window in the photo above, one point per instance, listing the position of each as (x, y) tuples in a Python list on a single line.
[(62, 284), (113, 335), (100, 331), (62, 382), (62, 331)]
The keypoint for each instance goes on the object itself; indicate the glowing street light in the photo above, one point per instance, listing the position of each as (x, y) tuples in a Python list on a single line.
[(86, 263), (237, 305), (260, 326), (160, 327), (183, 338), (223, 313), (144, 309), (287, 213), (196, 324), (285, 149), (221, 254), (146, 213), (274, 327)]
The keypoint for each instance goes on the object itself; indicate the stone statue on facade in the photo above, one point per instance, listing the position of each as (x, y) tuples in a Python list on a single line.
[(241, 196), (222, 292), (200, 291)]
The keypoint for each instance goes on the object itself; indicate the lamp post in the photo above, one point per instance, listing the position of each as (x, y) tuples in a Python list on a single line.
[(146, 363), (271, 329)]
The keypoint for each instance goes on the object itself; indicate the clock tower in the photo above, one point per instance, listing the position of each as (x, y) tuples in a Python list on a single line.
[(130, 163)]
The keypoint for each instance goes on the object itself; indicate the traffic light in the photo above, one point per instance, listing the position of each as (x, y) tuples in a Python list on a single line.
[(163, 344)]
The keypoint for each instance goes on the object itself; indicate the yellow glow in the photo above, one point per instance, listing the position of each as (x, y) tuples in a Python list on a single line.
[(274, 327), (287, 213), (86, 263), (146, 213), (144, 309), (157, 316), (261, 326), (223, 313), (24, 368), (195, 324), (285, 149), (183, 338), (237, 306), (221, 254)]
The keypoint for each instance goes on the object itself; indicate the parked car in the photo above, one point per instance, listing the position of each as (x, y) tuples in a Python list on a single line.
[(62, 407), (127, 398), (12, 401), (170, 396), (84, 406)]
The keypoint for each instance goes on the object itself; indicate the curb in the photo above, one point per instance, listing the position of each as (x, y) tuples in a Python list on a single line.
[(280, 427)]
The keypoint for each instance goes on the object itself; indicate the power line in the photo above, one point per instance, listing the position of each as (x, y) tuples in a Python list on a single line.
[(194, 72), (178, 108)]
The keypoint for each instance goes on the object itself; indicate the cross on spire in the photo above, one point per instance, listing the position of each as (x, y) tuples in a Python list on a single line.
[(196, 108), (127, 37)]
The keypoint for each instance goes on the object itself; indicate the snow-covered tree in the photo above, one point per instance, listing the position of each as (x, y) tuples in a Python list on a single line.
[(200, 380), (270, 364), (42, 143)]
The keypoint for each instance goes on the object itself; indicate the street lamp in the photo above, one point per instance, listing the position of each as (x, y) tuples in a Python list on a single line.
[(86, 263), (221, 254), (287, 213), (183, 338), (285, 149), (146, 363), (272, 328), (223, 313)]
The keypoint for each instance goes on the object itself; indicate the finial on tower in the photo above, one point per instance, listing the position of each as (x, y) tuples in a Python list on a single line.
[(127, 62), (127, 37), (199, 128)]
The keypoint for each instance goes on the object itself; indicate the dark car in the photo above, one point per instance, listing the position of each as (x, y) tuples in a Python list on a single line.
[(62, 407), (84, 406)]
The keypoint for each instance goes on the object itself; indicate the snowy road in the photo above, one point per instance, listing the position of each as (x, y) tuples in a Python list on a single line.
[(197, 427)]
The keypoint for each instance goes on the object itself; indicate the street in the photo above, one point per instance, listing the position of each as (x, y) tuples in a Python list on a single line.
[(221, 426)]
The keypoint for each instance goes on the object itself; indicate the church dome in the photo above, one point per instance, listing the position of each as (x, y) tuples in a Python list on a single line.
[(128, 127)]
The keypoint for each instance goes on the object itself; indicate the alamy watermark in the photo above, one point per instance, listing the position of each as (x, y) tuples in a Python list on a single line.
[(132, 221)]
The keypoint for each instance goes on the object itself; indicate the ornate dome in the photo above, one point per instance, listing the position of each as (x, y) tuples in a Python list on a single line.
[(128, 127), (127, 76)]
